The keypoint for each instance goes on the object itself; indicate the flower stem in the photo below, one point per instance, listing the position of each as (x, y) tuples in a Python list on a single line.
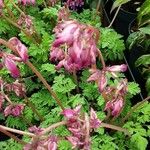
[(76, 80), (101, 58), (38, 74), (17, 26), (12, 136), (134, 108), (17, 8), (114, 16), (53, 126), (17, 131), (7, 98), (110, 126)]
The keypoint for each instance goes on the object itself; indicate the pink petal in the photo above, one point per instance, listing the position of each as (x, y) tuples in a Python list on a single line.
[(117, 68), (21, 48), (102, 82), (68, 113), (11, 66)]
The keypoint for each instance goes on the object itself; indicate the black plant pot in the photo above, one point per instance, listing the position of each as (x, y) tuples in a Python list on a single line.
[(132, 55), (123, 19), (122, 22)]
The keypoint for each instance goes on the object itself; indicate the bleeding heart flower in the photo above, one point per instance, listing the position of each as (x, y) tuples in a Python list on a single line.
[(35, 129), (94, 121), (11, 66), (26, 2), (20, 48), (14, 110), (74, 4), (117, 68)]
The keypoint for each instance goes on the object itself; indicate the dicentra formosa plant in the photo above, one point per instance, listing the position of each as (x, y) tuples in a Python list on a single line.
[(75, 49)]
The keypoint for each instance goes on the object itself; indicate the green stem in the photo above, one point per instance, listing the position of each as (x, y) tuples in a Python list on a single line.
[(76, 81), (134, 108)]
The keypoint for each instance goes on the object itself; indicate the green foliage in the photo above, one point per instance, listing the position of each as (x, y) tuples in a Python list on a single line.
[(6, 145), (88, 17), (64, 145), (133, 88), (63, 85), (111, 44), (144, 13), (16, 122)]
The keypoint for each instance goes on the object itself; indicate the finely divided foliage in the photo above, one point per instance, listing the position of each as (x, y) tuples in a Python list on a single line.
[(56, 89)]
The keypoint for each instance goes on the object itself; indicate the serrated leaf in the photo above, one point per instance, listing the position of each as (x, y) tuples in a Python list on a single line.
[(48, 67), (139, 142), (63, 84), (143, 60), (133, 88)]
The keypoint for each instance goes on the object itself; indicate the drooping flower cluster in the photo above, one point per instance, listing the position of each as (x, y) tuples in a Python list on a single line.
[(80, 127), (49, 143), (8, 60), (25, 21), (100, 75), (19, 90), (63, 14), (26, 2), (114, 96), (75, 4), (117, 95), (74, 46), (14, 110)]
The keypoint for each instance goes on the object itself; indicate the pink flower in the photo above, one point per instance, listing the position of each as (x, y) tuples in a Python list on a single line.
[(114, 106), (50, 143), (99, 77), (1, 101), (35, 129), (74, 4), (117, 68), (70, 113), (79, 45), (11, 66), (56, 54), (74, 141), (25, 21), (94, 121), (67, 33), (26, 2), (1, 4), (53, 2), (14, 110), (20, 48), (102, 82), (63, 14)]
